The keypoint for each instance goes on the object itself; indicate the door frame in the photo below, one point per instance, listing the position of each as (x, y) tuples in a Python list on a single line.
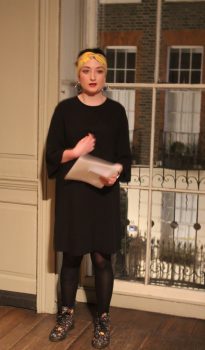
[(48, 98), (49, 94)]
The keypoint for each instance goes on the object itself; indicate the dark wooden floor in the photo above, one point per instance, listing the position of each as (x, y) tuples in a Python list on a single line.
[(22, 329)]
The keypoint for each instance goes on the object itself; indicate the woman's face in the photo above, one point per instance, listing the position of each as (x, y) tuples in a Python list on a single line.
[(92, 77)]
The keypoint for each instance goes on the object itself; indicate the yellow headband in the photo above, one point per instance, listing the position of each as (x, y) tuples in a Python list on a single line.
[(89, 56)]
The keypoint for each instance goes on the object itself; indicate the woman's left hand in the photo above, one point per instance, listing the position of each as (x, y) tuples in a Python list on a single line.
[(109, 181)]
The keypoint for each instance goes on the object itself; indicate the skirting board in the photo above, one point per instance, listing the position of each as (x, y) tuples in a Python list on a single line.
[(22, 300), (147, 303)]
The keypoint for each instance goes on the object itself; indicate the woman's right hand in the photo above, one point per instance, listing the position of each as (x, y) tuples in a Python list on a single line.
[(84, 146)]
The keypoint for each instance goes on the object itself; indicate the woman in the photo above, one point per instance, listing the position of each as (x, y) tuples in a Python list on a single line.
[(87, 219)]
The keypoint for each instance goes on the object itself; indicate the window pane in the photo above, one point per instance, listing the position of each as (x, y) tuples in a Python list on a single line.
[(187, 72), (110, 58), (195, 77), (130, 77), (131, 258), (185, 60), (177, 252), (184, 77), (174, 59), (131, 60), (173, 77), (196, 61), (179, 142), (177, 236), (120, 59), (110, 76), (120, 76)]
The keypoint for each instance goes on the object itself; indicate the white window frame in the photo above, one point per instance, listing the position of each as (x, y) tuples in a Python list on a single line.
[(181, 92), (191, 48), (125, 96), (184, 230), (144, 296), (126, 48)]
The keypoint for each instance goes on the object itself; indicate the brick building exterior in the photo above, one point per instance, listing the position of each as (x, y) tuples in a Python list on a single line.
[(182, 25)]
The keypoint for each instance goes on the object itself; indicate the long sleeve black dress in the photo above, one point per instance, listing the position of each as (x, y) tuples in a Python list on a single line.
[(87, 219)]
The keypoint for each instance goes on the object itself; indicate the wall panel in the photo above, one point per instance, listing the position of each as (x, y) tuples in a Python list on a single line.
[(19, 118), (18, 247), (19, 37)]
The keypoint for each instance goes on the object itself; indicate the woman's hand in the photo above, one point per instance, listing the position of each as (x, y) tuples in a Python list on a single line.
[(109, 181), (84, 146)]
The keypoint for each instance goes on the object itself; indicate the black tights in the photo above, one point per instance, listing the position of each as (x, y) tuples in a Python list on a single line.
[(103, 279)]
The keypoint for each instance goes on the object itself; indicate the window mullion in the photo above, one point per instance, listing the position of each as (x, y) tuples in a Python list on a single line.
[(190, 66), (125, 68), (115, 66)]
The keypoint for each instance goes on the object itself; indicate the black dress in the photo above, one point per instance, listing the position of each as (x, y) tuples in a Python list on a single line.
[(87, 219)]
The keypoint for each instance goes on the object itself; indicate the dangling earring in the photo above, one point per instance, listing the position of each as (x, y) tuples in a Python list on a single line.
[(105, 88), (78, 87)]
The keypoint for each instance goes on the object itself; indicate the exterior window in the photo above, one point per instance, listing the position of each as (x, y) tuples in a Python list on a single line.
[(185, 65), (181, 138), (121, 64), (122, 69), (183, 108), (162, 208)]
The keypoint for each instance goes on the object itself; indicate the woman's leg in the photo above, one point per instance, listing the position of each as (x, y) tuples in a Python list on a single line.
[(69, 283), (69, 279), (104, 278)]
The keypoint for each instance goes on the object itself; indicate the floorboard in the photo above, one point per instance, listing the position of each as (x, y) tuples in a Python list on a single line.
[(22, 329)]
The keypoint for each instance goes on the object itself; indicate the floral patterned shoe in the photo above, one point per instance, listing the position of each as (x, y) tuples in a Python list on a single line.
[(101, 337), (65, 322)]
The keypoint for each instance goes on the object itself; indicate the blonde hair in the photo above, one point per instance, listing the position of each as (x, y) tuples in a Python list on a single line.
[(89, 55)]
